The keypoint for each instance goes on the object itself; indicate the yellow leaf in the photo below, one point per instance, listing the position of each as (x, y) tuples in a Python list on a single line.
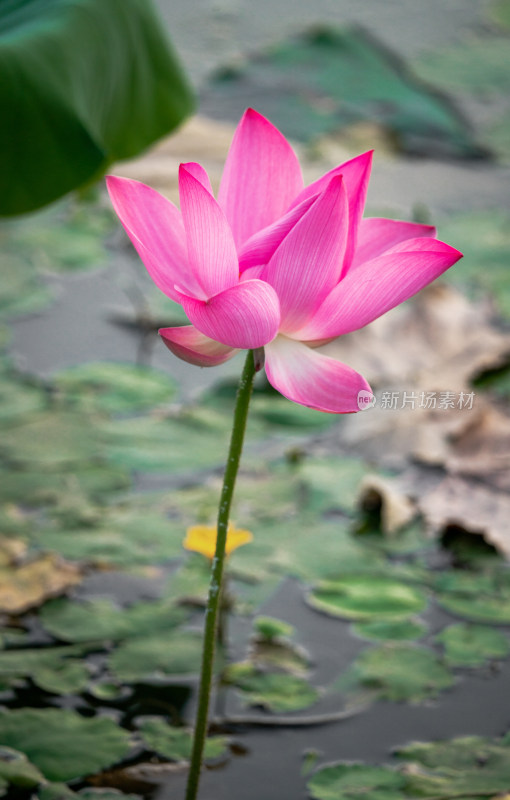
[(202, 539)]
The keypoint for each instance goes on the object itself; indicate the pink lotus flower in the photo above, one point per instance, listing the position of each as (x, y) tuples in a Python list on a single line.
[(275, 264)]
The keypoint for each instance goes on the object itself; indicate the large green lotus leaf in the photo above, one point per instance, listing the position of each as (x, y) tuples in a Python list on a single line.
[(176, 743), (21, 291), (51, 441), (398, 672), (484, 238), (367, 597), (63, 744), (157, 656), (478, 65), (37, 488), (352, 781), (16, 770), (399, 631), (274, 691), (471, 645), (100, 620), (114, 388), (84, 83), (327, 80)]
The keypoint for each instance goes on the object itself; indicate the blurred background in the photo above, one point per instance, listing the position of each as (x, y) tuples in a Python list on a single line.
[(381, 543)]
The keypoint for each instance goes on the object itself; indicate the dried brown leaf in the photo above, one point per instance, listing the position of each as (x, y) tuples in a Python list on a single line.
[(470, 506), (29, 585)]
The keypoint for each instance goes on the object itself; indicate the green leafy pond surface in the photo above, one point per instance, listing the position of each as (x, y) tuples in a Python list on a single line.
[(103, 466)]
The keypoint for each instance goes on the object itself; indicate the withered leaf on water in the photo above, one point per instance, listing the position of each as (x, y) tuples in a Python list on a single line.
[(470, 506), (30, 584)]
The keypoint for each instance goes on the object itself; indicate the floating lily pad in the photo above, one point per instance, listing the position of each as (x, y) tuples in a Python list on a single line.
[(471, 645), (491, 609), (397, 672), (124, 537), (63, 744), (16, 770), (277, 411), (18, 398), (351, 781), (160, 656), (330, 483), (327, 80), (114, 388), (274, 691), (101, 620), (36, 488), (176, 743), (68, 677), (54, 669), (67, 236), (60, 791), (21, 291), (269, 628), (406, 630), (470, 767), (464, 767), (51, 441), (167, 445), (365, 597)]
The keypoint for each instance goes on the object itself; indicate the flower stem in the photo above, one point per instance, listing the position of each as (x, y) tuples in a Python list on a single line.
[(214, 598)]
